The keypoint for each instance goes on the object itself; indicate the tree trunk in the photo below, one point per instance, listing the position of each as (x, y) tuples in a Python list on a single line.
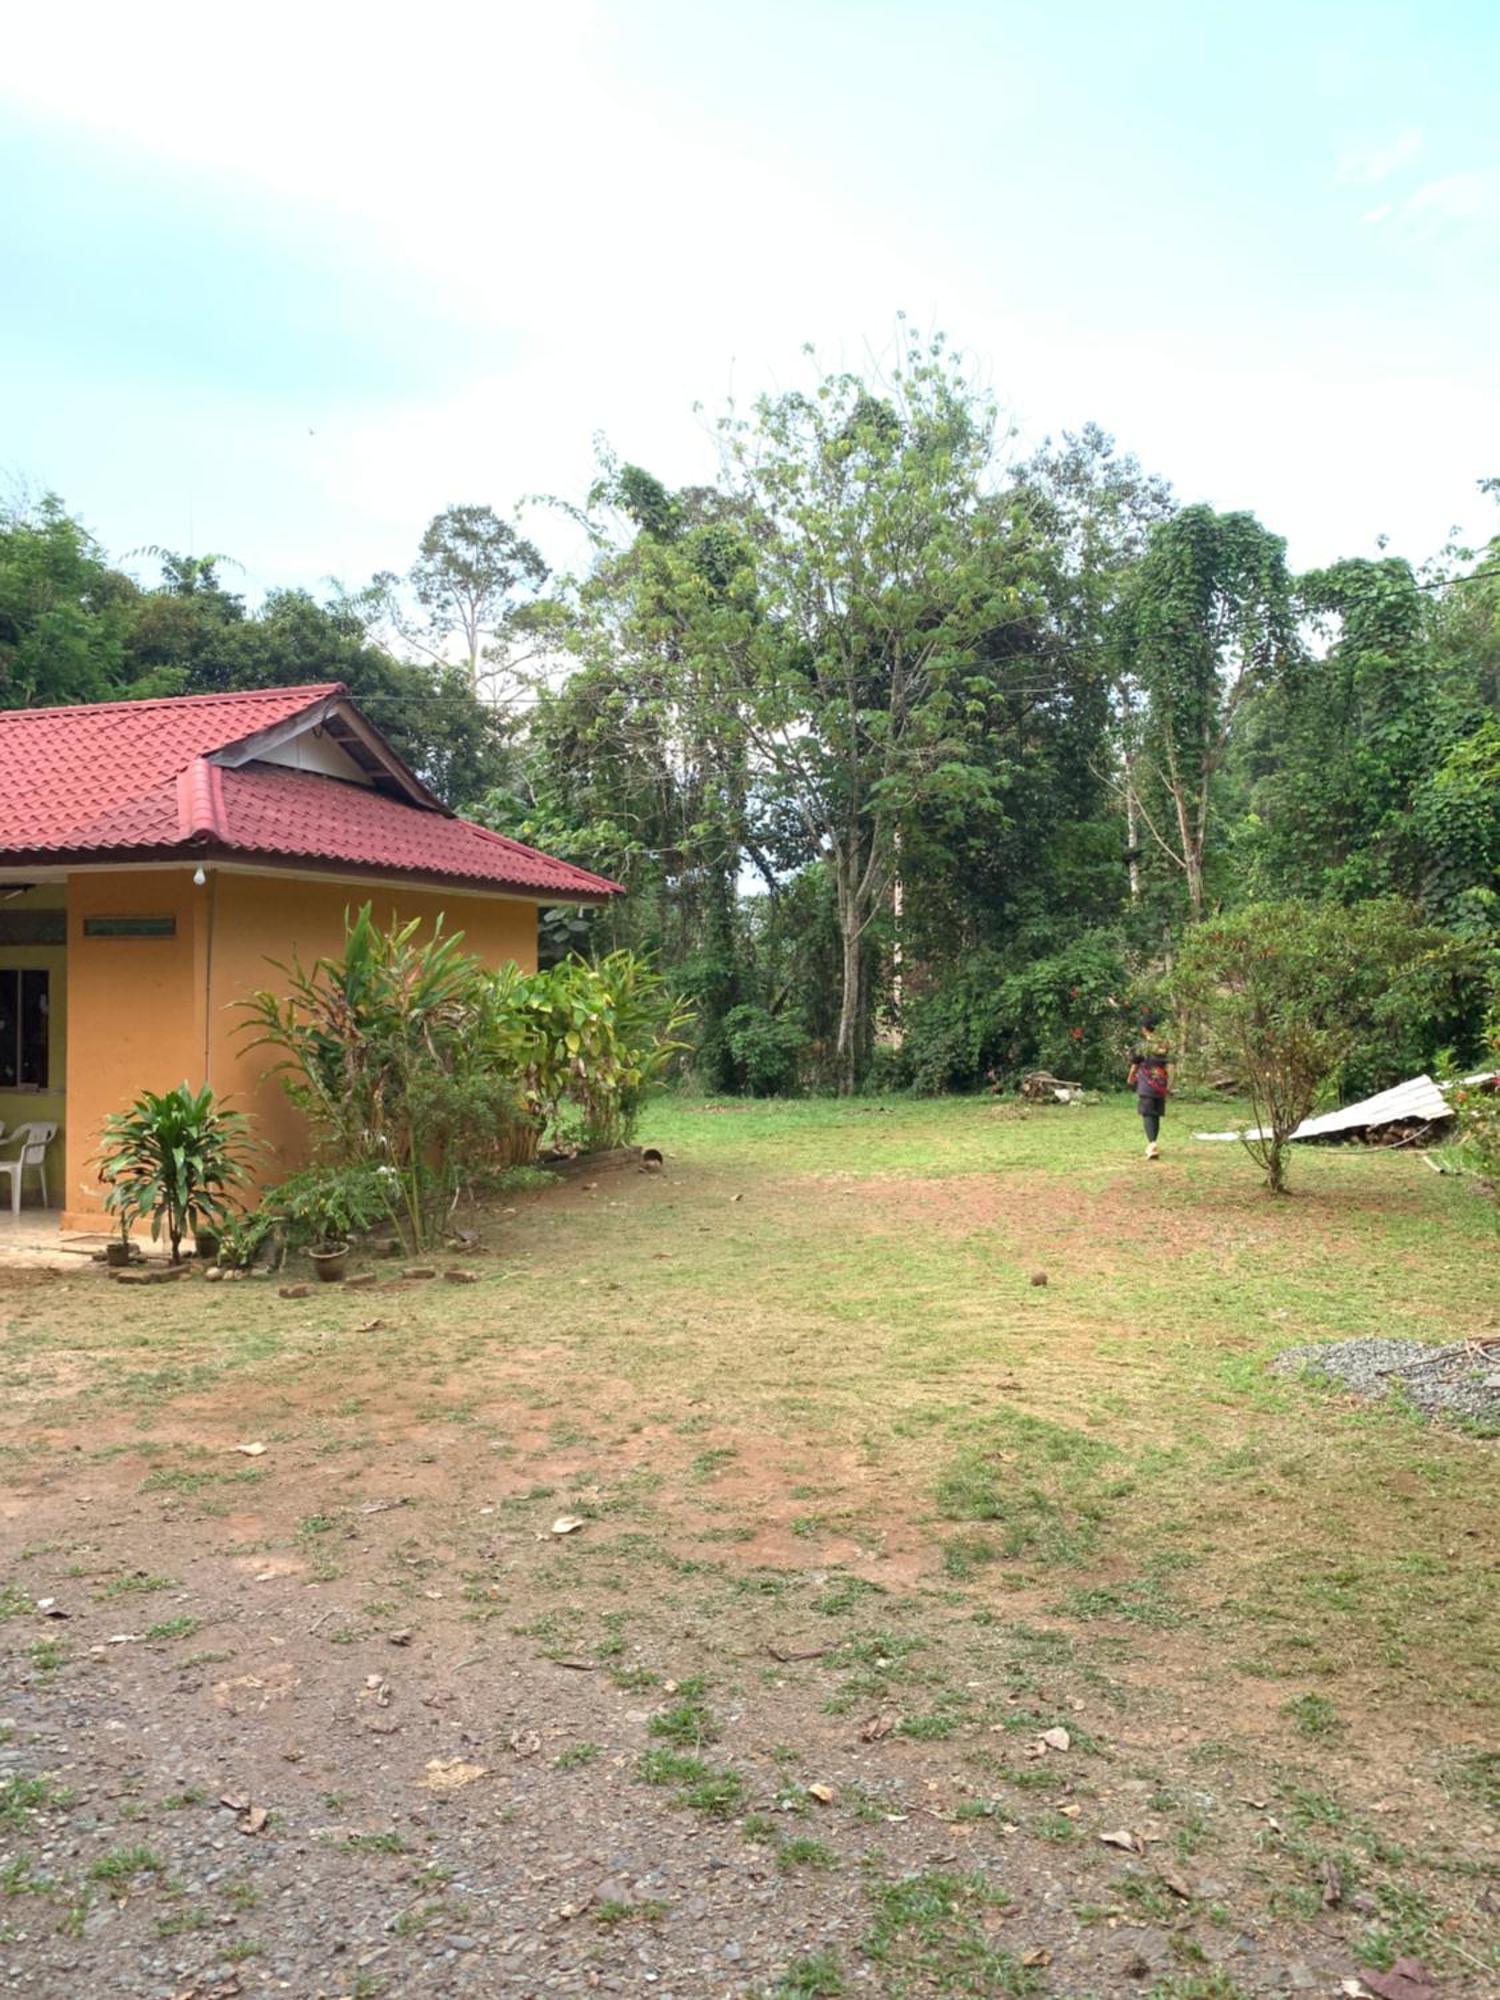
[(851, 1011), (1192, 861), (1132, 829), (1275, 1168), (898, 959)]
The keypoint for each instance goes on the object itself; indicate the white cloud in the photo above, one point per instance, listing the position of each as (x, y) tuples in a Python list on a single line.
[(1466, 197), (1365, 166)]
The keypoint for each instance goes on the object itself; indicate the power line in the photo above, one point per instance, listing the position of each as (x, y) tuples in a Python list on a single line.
[(1474, 576)]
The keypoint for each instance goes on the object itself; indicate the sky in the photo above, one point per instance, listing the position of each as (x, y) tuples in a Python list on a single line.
[(281, 283)]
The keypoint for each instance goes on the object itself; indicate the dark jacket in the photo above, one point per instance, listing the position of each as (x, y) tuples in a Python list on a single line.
[(1150, 1076)]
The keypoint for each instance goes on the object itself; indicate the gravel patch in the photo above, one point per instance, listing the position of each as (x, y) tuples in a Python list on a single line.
[(1455, 1381)]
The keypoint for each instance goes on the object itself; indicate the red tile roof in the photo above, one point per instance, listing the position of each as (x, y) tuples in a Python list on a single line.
[(141, 780)]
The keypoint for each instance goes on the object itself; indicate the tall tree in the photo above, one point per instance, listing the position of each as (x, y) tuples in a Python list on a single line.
[(1091, 509), (1338, 745), (469, 567), (876, 552), (643, 744), (1208, 619)]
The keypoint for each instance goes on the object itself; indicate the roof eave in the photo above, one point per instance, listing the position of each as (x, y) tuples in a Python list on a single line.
[(198, 851)]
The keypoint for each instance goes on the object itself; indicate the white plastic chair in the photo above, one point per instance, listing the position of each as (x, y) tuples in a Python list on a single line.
[(35, 1139)]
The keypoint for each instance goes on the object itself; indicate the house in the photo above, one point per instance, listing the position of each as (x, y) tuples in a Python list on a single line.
[(157, 857)]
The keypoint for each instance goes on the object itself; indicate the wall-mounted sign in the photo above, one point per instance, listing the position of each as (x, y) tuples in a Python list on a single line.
[(129, 927)]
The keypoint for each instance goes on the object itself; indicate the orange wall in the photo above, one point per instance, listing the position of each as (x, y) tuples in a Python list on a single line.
[(133, 1019), (149, 1013)]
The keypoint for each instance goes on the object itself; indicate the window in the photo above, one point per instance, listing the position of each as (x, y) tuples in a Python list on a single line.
[(25, 1001)]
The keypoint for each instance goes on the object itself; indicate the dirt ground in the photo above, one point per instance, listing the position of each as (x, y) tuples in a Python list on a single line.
[(747, 1580)]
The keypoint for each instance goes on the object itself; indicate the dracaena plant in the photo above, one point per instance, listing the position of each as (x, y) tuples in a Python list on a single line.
[(176, 1157)]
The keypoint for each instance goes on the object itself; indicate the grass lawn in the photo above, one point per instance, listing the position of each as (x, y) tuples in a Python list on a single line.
[(900, 1434)]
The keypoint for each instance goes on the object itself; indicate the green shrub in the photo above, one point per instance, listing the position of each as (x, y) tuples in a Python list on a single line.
[(422, 1072), (1478, 1109), (584, 1042), (175, 1157), (763, 1051), (993, 1021), (1285, 995), (322, 1207)]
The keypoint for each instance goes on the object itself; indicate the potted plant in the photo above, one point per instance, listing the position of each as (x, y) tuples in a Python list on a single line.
[(331, 1262), (322, 1208), (122, 1251), (173, 1156)]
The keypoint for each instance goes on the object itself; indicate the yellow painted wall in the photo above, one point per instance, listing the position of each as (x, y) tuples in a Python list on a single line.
[(178, 996), (22, 1107)]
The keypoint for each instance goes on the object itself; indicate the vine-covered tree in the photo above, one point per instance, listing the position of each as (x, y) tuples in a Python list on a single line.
[(1209, 618)]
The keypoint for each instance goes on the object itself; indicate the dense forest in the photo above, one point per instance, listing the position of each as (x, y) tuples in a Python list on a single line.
[(917, 756)]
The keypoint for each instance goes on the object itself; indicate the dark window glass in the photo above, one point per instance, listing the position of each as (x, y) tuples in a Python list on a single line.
[(35, 1003), (10, 1030), (25, 1006)]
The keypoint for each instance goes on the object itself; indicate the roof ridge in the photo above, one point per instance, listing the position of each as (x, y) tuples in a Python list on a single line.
[(200, 800), (311, 689)]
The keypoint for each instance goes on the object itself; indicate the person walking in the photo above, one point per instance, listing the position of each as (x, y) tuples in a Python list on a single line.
[(1151, 1076)]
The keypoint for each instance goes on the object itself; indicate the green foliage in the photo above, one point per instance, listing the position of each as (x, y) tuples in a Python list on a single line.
[(763, 1050), (323, 1207), (699, 1786), (1208, 619), (586, 1042), (1290, 997), (1353, 737), (1313, 1715), (468, 567), (887, 739), (175, 1156), (1478, 1109), (1457, 817), (62, 611), (819, 1977), (929, 1929), (378, 1047), (993, 1022), (422, 1072)]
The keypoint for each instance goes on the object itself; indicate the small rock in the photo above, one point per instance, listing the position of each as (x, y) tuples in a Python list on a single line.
[(293, 1291), (1039, 1277)]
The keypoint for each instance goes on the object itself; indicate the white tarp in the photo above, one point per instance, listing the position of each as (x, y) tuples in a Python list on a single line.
[(1417, 1102)]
